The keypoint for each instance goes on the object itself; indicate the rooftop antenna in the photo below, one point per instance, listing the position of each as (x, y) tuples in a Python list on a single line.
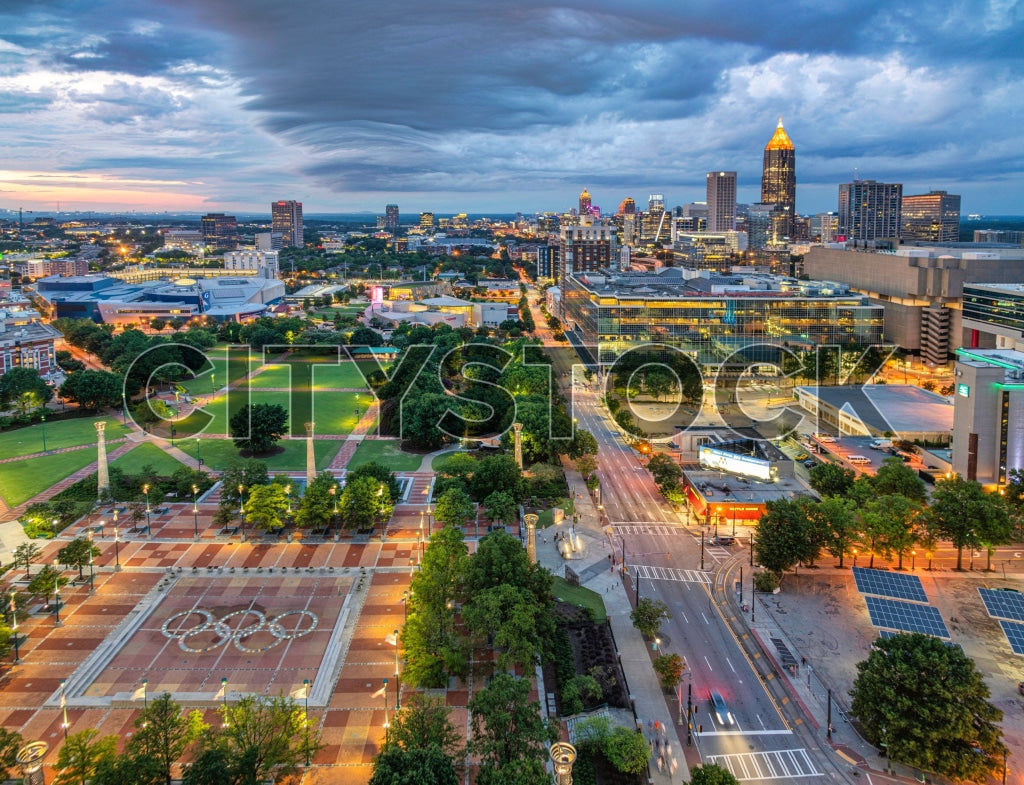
[(856, 176)]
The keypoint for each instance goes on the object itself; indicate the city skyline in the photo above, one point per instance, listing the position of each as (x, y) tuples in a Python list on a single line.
[(223, 106)]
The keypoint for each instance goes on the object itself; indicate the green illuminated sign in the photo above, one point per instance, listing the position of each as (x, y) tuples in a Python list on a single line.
[(964, 390)]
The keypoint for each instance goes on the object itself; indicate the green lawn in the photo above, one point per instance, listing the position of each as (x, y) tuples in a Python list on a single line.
[(204, 385), (578, 595), (148, 454), (21, 480), (547, 518), (218, 453), (60, 434), (343, 374), (385, 452)]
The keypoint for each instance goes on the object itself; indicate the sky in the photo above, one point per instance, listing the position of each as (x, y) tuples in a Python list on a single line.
[(466, 106)]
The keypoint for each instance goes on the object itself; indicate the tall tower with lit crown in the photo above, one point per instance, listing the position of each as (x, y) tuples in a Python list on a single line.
[(585, 202), (778, 177)]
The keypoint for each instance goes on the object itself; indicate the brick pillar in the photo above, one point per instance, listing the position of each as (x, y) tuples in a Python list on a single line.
[(102, 473), (518, 428)]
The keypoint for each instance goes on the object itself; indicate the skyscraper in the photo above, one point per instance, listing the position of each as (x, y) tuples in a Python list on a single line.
[(934, 216), (778, 176), (220, 231), (286, 217), (391, 217), (870, 210), (427, 222), (721, 201), (585, 202)]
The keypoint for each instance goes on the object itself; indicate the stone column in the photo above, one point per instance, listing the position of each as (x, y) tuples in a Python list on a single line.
[(518, 438), (102, 474), (563, 755), (531, 536), (310, 455)]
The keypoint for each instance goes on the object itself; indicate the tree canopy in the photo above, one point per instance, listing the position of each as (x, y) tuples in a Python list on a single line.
[(926, 703), (258, 427)]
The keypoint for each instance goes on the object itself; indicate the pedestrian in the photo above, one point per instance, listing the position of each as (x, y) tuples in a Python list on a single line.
[(649, 725), (803, 660)]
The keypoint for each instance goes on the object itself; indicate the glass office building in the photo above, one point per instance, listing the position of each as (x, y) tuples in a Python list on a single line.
[(712, 318)]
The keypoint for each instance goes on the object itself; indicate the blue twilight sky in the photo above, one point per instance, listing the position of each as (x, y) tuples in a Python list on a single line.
[(461, 105)]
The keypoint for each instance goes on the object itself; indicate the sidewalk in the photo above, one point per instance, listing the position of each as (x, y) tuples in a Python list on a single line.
[(648, 698)]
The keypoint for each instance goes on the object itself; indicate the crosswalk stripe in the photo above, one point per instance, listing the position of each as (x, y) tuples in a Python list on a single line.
[(640, 527), (769, 765), (670, 574)]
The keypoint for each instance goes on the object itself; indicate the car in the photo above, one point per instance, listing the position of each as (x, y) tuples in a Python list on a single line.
[(810, 463), (1020, 687), (723, 540), (801, 457), (721, 709)]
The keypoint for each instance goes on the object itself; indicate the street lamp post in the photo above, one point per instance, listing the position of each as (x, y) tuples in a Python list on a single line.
[(117, 551), (398, 683), (42, 422), (92, 584), (751, 549), (241, 508), (702, 549), (124, 409), (334, 516), (56, 606), (854, 557), (430, 521), (224, 702), (195, 513), (199, 457), (636, 586), (383, 523), (14, 631), (172, 436), (405, 607), (145, 490), (305, 716), (913, 559), (387, 724)]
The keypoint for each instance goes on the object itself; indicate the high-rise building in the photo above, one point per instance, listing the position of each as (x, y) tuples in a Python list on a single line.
[(721, 201), (762, 224), (427, 222), (627, 206), (870, 210), (824, 227), (391, 217), (287, 219), (778, 176), (585, 248), (932, 217), (220, 231), (585, 202)]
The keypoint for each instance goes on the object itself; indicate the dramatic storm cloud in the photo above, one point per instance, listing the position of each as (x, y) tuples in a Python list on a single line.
[(459, 105)]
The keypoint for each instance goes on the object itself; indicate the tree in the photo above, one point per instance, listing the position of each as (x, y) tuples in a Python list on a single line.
[(888, 525), (45, 582), (834, 521), (428, 637), (586, 465), (426, 765), (648, 615), (583, 443), (783, 536), (711, 774), (19, 382), (420, 418), (93, 390), (379, 472), (512, 618), (163, 733), (258, 427), (10, 743), (454, 508), (78, 553), (500, 506), (895, 477), (266, 738), (25, 554), (81, 754), (665, 471), (212, 766), (424, 721), (926, 703), (626, 750), (507, 726), (497, 472), (316, 509), (669, 668), (362, 500), (961, 511), (831, 479), (267, 507)]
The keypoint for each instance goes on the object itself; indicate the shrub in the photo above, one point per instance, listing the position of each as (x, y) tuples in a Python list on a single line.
[(766, 581)]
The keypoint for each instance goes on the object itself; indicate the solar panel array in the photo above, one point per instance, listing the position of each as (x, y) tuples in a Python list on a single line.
[(1003, 604), (884, 583), (1014, 632), (906, 616)]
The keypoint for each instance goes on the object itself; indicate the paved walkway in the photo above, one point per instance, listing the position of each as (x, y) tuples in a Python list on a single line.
[(360, 432), (649, 699)]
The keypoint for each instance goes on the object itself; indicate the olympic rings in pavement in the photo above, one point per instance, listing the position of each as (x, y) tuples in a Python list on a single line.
[(250, 621)]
